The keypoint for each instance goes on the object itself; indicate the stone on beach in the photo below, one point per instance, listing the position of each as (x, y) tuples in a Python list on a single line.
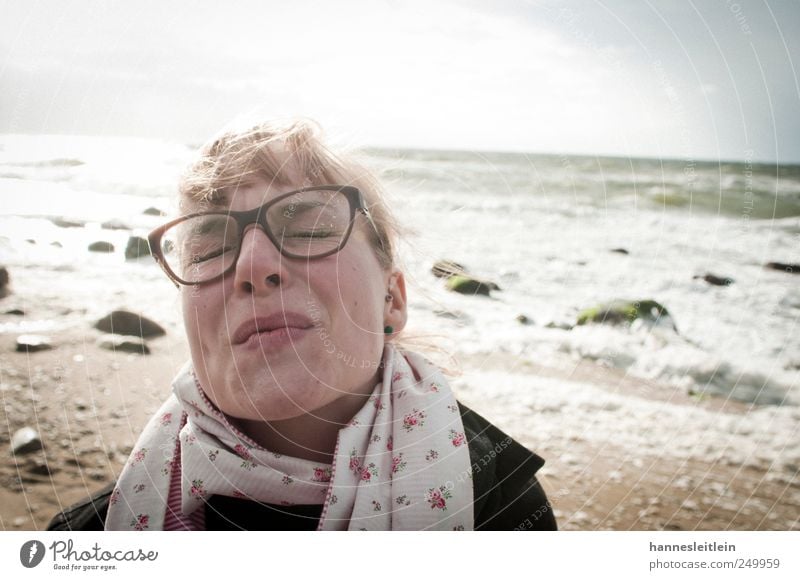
[(101, 246), (33, 343), (625, 312), (120, 344), (788, 268), (25, 440), (115, 224), (154, 211), (63, 222), (5, 279), (129, 323), (715, 280), (136, 248), (469, 286)]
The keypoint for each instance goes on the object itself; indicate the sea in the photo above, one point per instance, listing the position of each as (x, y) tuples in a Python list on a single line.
[(556, 233)]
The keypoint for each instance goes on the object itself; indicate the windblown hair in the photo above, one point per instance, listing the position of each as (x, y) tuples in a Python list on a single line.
[(278, 152)]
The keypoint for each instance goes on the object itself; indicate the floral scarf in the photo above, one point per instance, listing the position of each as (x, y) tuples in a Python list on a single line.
[(401, 463)]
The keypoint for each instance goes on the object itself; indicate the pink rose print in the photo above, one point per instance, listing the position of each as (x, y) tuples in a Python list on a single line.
[(197, 490), (322, 474), (114, 496), (140, 522), (247, 457), (433, 388), (190, 439), (431, 455), (369, 472), (414, 419), (390, 443), (397, 376), (355, 462), (239, 494), (456, 438), (166, 419), (437, 496), (398, 464), (138, 457)]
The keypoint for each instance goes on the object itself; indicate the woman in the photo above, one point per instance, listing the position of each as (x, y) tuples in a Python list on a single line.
[(298, 409)]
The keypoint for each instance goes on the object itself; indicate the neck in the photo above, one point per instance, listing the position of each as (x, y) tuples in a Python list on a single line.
[(309, 436)]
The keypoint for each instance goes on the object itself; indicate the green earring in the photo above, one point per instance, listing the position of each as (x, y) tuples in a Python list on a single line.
[(388, 330)]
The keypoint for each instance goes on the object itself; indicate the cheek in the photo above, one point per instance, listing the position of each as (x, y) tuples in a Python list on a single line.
[(196, 316)]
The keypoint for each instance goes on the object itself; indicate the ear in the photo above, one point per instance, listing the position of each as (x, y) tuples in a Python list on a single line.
[(396, 312)]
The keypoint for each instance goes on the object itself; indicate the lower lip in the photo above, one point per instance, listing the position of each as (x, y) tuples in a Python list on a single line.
[(274, 339)]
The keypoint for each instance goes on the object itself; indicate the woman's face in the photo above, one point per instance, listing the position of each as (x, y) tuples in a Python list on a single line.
[(329, 312)]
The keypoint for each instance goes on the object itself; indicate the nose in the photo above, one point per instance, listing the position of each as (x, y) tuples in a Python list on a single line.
[(260, 267)]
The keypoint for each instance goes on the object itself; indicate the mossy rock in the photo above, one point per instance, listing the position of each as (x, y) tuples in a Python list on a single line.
[(469, 286), (625, 312)]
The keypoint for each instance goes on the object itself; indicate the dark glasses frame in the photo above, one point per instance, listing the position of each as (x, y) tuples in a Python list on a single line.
[(258, 216)]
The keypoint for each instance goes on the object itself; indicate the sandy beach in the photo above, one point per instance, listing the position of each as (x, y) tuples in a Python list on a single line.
[(89, 404)]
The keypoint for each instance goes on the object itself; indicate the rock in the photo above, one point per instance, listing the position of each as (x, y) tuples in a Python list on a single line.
[(42, 467), (788, 268), (15, 312), (26, 440), (467, 285), (115, 224), (129, 323), (625, 312), (522, 319), (107, 247), (136, 248), (154, 211), (65, 223), (33, 343), (5, 279), (56, 244), (620, 251), (559, 325), (30, 241), (120, 344), (447, 268), (715, 280)]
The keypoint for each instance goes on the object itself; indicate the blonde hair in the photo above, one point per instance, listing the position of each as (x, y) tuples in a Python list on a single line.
[(276, 152)]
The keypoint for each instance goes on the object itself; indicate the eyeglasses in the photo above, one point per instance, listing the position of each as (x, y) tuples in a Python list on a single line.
[(308, 223)]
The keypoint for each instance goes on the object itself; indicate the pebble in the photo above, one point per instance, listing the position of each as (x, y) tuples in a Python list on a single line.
[(25, 440), (33, 343), (120, 344), (20, 521)]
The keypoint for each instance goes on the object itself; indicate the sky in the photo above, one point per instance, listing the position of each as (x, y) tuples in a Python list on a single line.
[(684, 79)]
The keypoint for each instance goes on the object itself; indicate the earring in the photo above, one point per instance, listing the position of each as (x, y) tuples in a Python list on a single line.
[(388, 329), (388, 298)]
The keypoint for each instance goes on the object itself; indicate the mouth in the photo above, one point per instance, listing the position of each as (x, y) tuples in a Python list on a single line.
[(276, 327)]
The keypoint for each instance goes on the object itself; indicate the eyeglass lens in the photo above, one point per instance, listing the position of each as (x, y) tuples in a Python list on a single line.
[(306, 224)]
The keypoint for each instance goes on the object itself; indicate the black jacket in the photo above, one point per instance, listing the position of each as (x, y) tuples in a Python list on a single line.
[(507, 495)]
